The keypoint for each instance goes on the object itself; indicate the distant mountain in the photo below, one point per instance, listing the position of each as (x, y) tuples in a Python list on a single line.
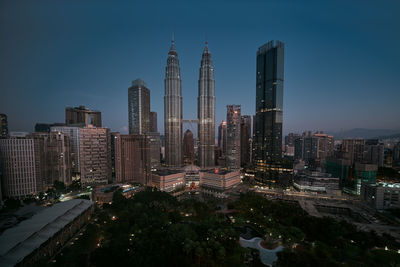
[(366, 133)]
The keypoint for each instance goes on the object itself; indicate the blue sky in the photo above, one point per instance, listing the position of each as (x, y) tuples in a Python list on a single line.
[(342, 58)]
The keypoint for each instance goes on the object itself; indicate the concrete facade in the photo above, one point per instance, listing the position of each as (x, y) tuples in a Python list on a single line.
[(95, 155)]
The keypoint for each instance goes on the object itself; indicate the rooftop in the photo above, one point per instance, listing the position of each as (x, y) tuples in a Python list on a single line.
[(165, 172), (18, 242), (217, 171)]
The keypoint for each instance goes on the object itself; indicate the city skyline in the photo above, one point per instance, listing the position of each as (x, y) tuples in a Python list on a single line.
[(97, 78), (199, 133)]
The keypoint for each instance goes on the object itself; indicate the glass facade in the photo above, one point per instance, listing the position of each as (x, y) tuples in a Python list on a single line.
[(173, 110), (233, 118), (139, 108), (206, 111), (269, 107)]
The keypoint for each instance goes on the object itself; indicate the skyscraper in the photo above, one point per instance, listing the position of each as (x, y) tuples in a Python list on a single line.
[(206, 111), (20, 167), (374, 152), (233, 137), (52, 151), (3, 126), (82, 116), (220, 153), (153, 122), (132, 158), (353, 149), (74, 134), (139, 107), (222, 137), (188, 147), (95, 155), (269, 107), (245, 135), (155, 149), (173, 110), (306, 147), (325, 146)]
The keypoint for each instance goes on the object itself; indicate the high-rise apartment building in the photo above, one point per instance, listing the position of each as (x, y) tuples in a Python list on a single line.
[(82, 116), (52, 153), (153, 122), (132, 158), (374, 152), (155, 142), (33, 162), (73, 134), (353, 149), (3, 126), (289, 139), (139, 107), (369, 151), (95, 155), (306, 147), (267, 143), (245, 136), (314, 148), (325, 146), (115, 157), (206, 111), (173, 110), (19, 165), (188, 148), (155, 150), (289, 143), (233, 116)]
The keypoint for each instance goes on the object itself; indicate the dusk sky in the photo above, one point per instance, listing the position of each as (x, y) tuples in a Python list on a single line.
[(342, 58)]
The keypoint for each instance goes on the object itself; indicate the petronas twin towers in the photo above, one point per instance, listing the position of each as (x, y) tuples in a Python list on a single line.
[(173, 111)]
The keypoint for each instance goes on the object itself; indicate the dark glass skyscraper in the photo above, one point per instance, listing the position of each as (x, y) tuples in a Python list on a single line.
[(269, 107), (153, 122), (188, 148), (206, 111), (139, 107), (245, 135), (173, 110)]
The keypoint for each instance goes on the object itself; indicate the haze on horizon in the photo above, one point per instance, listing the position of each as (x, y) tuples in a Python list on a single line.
[(341, 58)]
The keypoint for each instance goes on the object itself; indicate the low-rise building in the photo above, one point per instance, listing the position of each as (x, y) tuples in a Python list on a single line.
[(44, 233), (104, 194), (220, 180), (168, 180), (192, 175), (381, 195), (314, 181)]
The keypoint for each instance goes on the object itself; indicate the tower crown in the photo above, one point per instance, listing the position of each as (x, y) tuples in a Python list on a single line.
[(172, 50)]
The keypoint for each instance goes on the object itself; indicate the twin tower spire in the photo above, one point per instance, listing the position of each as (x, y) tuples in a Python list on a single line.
[(173, 110)]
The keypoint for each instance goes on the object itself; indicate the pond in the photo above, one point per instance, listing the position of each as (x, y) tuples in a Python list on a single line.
[(250, 238)]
